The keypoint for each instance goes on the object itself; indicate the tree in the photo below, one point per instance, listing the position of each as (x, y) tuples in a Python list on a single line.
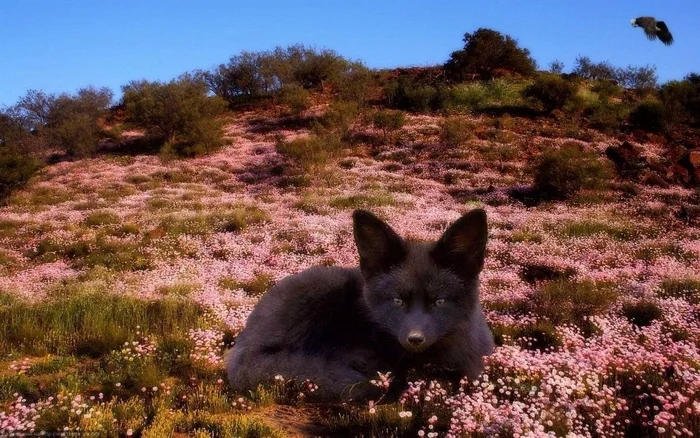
[(178, 114), (73, 121), (551, 91), (69, 122), (486, 51)]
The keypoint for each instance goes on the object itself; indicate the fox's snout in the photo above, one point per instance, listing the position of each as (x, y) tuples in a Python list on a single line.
[(415, 339)]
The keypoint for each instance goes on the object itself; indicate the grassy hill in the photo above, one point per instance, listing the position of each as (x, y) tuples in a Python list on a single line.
[(126, 271)]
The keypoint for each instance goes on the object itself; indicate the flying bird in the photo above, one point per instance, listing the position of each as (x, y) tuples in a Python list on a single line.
[(653, 29)]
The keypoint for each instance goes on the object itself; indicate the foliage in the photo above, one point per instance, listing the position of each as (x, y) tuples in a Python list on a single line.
[(67, 122), (252, 75), (551, 91), (628, 77), (556, 67), (648, 116), (73, 120), (388, 121), (178, 113), (412, 96), (486, 51), (295, 97), (15, 171), (455, 131), (681, 100), (559, 174)]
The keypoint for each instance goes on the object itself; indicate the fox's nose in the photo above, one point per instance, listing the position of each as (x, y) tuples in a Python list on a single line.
[(416, 339)]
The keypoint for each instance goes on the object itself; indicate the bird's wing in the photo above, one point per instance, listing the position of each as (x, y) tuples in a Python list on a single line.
[(663, 33)]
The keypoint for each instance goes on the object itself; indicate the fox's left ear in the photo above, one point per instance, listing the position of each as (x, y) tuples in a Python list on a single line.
[(462, 246)]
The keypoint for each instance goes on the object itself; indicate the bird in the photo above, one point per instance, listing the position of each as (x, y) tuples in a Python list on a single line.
[(654, 29)]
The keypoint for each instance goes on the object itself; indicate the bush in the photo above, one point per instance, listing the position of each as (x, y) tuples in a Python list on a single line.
[(648, 116), (295, 97), (311, 153), (642, 313), (629, 77), (67, 122), (556, 67), (388, 122), (561, 173), (15, 171), (681, 100), (339, 119), (252, 75), (606, 117), (551, 91), (178, 113), (454, 131), (483, 94), (354, 85), (485, 52), (410, 96), (606, 89)]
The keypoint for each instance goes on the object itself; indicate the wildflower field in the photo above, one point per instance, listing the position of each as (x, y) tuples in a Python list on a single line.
[(124, 278)]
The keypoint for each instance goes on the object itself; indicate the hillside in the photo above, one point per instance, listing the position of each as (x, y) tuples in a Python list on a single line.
[(593, 300)]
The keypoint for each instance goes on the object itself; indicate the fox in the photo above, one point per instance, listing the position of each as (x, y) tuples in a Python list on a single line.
[(408, 306)]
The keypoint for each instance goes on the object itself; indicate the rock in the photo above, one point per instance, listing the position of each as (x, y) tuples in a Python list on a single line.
[(627, 158), (651, 179), (679, 174), (694, 158), (676, 153), (692, 163)]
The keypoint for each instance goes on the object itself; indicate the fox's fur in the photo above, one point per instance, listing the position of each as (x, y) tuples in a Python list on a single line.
[(408, 305)]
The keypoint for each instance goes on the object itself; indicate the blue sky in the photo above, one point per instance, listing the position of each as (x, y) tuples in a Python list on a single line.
[(61, 45)]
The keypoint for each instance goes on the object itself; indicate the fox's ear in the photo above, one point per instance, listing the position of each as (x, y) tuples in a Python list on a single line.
[(462, 246), (379, 246)]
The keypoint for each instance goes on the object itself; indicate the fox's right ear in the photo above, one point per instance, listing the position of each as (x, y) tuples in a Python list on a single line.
[(379, 246)]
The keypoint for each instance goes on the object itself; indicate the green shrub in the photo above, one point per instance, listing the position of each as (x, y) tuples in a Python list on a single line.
[(311, 152), (551, 92), (410, 96), (252, 75), (339, 119), (355, 84), (73, 120), (606, 117), (629, 77), (388, 122), (67, 122), (606, 89), (648, 116), (561, 173), (485, 52), (455, 131), (642, 313), (15, 171), (681, 100), (178, 113), (295, 97)]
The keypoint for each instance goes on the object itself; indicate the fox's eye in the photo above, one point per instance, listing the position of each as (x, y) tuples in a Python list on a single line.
[(398, 302), (439, 302)]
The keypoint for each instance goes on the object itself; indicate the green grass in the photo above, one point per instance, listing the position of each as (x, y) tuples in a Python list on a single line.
[(686, 288), (255, 287), (566, 301), (228, 221), (178, 289), (90, 324), (101, 218), (587, 228), (377, 198)]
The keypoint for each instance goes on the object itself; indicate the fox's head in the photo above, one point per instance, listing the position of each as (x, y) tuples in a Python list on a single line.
[(420, 291)]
